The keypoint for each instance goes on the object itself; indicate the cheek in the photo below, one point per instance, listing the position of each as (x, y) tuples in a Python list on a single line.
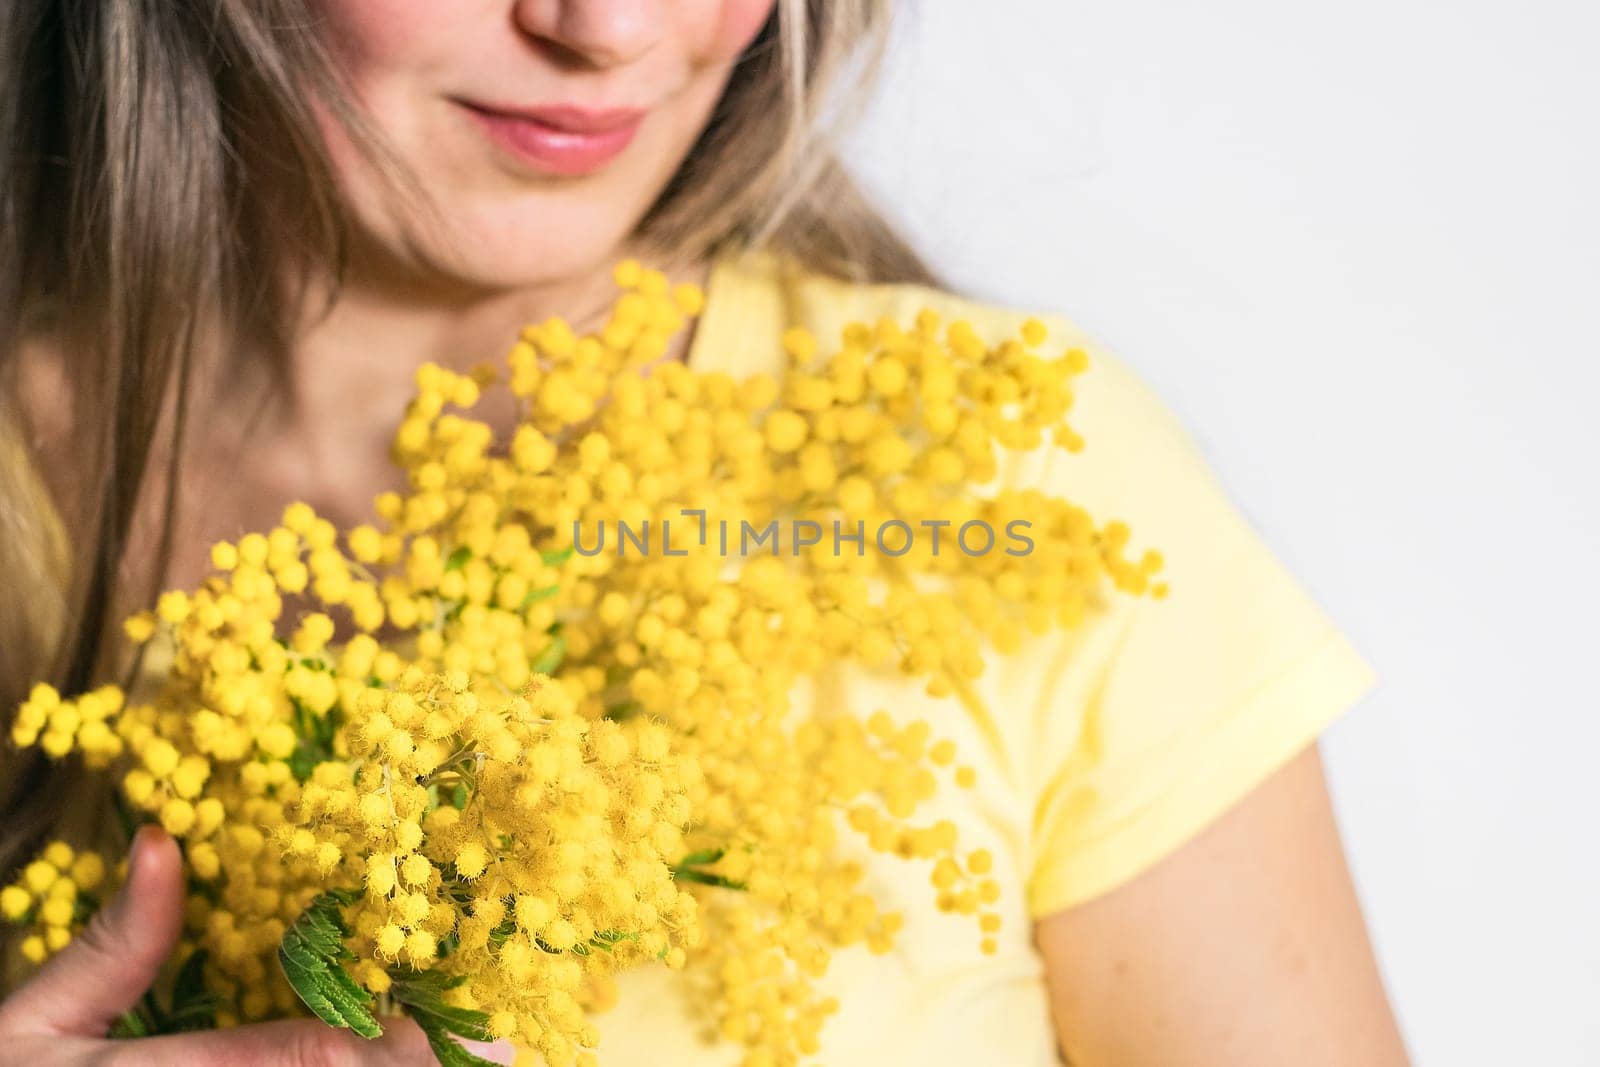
[(375, 37), (730, 26)]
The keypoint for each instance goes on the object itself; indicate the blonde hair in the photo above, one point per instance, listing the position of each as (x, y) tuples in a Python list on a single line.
[(161, 172)]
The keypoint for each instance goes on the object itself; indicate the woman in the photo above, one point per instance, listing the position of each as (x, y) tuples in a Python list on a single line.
[(234, 229)]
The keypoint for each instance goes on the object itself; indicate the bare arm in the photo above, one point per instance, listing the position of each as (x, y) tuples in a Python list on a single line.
[(1245, 948)]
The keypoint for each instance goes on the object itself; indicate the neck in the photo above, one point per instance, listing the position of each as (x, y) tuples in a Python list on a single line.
[(353, 364)]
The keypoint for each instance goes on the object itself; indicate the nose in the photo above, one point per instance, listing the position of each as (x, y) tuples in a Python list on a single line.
[(601, 33)]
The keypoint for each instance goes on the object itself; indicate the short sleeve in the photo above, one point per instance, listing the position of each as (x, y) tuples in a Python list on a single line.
[(1186, 703)]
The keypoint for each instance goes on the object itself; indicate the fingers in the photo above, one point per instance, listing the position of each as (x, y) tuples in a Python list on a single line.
[(106, 969), (289, 1043), (502, 1051), (76, 996)]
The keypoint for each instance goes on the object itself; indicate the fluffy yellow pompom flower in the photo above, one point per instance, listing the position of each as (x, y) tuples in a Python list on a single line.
[(511, 767)]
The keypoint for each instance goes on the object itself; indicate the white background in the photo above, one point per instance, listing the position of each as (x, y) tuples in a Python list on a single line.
[(1356, 248)]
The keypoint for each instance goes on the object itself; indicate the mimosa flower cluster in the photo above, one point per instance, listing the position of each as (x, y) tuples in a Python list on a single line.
[(528, 768), (54, 896)]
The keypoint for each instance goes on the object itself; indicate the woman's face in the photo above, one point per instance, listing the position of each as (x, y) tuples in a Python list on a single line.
[(540, 130)]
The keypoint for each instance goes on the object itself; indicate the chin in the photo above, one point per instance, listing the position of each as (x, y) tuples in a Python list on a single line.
[(487, 252), (527, 239), (527, 257)]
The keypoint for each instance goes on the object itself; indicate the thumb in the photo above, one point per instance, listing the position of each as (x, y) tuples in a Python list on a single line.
[(107, 968)]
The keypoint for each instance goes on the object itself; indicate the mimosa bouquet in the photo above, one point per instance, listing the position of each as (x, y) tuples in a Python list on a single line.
[(467, 762)]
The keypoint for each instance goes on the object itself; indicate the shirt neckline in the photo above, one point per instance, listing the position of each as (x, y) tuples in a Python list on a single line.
[(741, 304), (711, 324)]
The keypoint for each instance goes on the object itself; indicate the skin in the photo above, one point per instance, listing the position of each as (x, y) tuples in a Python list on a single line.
[(61, 1015), (1245, 947), (505, 245)]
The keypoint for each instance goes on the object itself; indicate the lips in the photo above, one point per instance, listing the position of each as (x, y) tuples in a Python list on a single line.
[(559, 139)]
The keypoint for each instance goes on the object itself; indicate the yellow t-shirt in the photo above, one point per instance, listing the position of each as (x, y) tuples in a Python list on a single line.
[(1098, 750)]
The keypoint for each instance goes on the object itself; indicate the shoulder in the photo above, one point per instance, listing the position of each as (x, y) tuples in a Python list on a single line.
[(1130, 460), (1138, 461), (1126, 426), (797, 295), (825, 303)]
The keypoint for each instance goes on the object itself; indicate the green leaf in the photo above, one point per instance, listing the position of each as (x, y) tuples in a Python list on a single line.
[(605, 940), (125, 816), (191, 980), (500, 934), (535, 595), (445, 1047), (202, 1015), (83, 909), (552, 655), (302, 761), (194, 1007), (623, 711), (422, 994), (130, 1023), (457, 559), (703, 857), (316, 734), (558, 556), (694, 874), (312, 954), (688, 869)]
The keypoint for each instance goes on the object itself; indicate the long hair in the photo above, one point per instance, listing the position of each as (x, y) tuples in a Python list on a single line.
[(161, 172)]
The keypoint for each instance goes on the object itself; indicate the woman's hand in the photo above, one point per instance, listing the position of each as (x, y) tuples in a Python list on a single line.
[(62, 1014)]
